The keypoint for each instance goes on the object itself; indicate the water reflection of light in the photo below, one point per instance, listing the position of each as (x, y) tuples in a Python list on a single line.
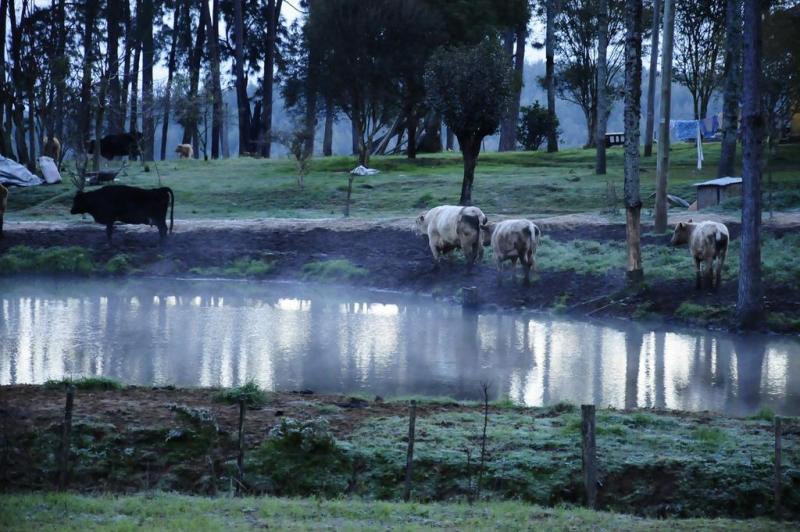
[(379, 309), (293, 304)]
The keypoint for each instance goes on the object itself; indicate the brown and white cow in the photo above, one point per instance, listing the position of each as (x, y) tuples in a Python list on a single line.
[(184, 151), (513, 240), (707, 241), (3, 204), (450, 227)]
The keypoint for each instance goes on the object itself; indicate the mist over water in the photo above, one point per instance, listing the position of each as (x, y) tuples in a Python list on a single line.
[(291, 337)]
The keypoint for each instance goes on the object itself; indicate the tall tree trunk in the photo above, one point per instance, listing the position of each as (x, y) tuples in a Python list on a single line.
[(411, 127), (216, 87), (98, 118), (602, 94), (5, 140), (550, 79), (662, 164), (242, 101), (137, 55), (651, 81), (749, 310), (16, 75), (85, 110), (507, 123), (60, 74), (31, 130), (130, 44), (113, 17), (510, 141), (274, 13), (327, 139), (176, 25), (449, 139), (470, 148), (191, 132), (148, 57), (633, 92), (730, 106), (354, 136)]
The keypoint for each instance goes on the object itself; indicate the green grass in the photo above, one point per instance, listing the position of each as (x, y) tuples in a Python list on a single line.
[(701, 314), (332, 270), (163, 511), (528, 183), (248, 392), (243, 267), (86, 383), (23, 259)]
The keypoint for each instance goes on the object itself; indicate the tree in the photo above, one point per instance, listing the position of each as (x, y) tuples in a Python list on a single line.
[(749, 310), (470, 86), (697, 49), (535, 126), (214, 67), (732, 91), (550, 84), (662, 164), (274, 14), (242, 101), (577, 31), (651, 81), (633, 92), (602, 96), (145, 22), (516, 15), (113, 19), (177, 22)]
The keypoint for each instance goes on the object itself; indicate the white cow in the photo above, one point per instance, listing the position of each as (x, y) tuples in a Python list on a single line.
[(707, 241), (449, 227), (513, 240)]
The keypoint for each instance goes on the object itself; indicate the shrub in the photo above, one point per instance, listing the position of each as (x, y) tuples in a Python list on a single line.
[(86, 383), (248, 392), (58, 259), (534, 126), (332, 270)]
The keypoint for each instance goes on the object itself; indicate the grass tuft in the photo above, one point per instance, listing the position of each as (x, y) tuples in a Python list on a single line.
[(332, 270), (248, 392), (53, 260), (86, 383)]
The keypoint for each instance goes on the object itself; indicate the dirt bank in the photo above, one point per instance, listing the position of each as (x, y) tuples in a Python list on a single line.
[(395, 257)]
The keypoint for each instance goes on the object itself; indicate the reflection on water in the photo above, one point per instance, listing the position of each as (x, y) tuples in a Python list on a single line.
[(288, 336)]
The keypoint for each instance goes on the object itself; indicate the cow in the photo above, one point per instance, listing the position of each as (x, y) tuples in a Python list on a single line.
[(184, 151), (450, 227), (707, 241), (513, 240), (52, 149), (118, 145), (3, 205), (129, 205)]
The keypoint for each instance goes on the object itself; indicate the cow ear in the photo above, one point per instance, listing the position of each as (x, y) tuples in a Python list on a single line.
[(690, 220), (421, 218)]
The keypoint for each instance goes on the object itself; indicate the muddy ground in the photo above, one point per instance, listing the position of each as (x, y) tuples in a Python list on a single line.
[(398, 258)]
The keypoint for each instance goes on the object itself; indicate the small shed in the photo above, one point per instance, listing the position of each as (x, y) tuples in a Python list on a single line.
[(714, 192)]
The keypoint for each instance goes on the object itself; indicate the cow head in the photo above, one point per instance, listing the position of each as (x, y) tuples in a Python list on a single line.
[(681, 233), (486, 233), (420, 223), (80, 204)]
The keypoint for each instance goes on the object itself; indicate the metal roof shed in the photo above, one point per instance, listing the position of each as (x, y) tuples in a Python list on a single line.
[(714, 192)]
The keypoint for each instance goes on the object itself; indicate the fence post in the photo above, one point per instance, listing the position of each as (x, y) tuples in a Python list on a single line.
[(240, 458), (412, 419), (589, 454), (66, 430), (778, 437)]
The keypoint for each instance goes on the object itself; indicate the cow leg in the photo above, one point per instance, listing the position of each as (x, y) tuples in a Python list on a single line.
[(698, 279), (109, 230), (499, 270), (720, 262), (709, 274), (162, 231), (527, 270), (435, 253), (513, 270)]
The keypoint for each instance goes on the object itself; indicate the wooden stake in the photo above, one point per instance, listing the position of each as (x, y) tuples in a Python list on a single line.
[(240, 458), (65, 438), (412, 419), (778, 438), (589, 454)]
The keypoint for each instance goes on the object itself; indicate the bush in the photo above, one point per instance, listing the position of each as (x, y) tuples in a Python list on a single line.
[(86, 383), (58, 259), (248, 392), (332, 270), (534, 126)]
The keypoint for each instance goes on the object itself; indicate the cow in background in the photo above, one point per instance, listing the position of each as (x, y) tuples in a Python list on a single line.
[(118, 145), (52, 148), (184, 151), (708, 241)]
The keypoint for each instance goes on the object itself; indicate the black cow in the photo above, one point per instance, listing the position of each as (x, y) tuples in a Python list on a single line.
[(118, 145), (129, 205)]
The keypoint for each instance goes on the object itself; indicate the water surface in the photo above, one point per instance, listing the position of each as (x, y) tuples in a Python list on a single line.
[(292, 336)]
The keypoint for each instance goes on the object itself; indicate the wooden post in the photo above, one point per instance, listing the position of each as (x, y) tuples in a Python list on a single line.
[(66, 430), (589, 454), (778, 437), (412, 418), (240, 458)]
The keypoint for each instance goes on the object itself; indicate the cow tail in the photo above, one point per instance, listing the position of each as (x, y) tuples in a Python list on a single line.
[(171, 209), (720, 242)]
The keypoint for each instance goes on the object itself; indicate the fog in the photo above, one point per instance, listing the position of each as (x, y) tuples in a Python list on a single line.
[(289, 337)]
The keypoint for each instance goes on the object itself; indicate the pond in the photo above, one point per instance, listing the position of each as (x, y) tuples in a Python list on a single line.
[(289, 336)]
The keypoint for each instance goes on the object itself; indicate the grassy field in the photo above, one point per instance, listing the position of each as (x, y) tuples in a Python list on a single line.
[(530, 183), (160, 511)]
